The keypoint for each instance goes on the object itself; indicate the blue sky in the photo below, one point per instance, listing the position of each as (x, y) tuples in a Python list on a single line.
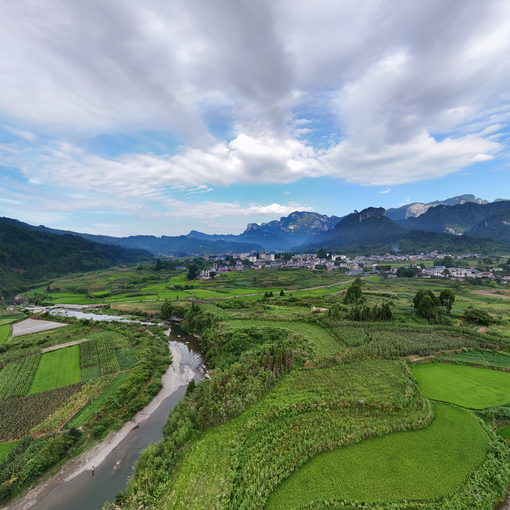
[(127, 117)]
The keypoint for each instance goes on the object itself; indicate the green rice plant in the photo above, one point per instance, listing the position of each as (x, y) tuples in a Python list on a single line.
[(6, 448), (5, 331), (413, 465), (57, 368), (16, 377), (472, 387)]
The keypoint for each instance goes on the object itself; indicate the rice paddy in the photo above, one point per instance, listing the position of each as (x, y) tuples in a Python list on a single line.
[(56, 369), (472, 387), (420, 464)]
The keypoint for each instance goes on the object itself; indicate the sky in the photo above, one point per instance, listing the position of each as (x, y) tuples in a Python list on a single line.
[(127, 117)]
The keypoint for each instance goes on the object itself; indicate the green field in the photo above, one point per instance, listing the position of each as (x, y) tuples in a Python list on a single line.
[(324, 343), (56, 369), (6, 448), (5, 331), (472, 387), (421, 464)]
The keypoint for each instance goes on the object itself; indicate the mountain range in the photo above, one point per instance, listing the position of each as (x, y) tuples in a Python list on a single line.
[(465, 215)]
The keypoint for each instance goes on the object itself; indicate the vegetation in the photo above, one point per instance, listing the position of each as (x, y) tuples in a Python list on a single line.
[(419, 465), (44, 422), (57, 368), (472, 387), (27, 255)]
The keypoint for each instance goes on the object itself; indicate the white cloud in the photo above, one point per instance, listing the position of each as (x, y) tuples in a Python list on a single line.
[(408, 94), (385, 191)]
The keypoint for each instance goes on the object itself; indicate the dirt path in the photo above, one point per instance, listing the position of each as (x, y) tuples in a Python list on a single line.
[(63, 346)]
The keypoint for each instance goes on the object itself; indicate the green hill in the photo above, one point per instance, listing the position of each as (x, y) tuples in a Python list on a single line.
[(28, 255)]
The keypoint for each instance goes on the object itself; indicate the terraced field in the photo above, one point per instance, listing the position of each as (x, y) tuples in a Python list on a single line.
[(471, 387), (421, 464)]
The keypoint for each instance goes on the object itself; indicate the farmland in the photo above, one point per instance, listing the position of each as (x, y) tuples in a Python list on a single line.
[(300, 391), (57, 368), (48, 389), (471, 387), (421, 464)]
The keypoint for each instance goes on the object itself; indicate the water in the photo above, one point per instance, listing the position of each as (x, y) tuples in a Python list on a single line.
[(92, 488), (65, 312)]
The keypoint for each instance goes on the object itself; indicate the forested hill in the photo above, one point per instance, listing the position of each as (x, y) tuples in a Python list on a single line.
[(27, 255)]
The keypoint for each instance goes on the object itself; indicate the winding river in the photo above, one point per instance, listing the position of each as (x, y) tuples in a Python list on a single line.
[(87, 482)]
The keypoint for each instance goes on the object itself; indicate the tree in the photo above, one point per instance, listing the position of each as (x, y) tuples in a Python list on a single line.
[(447, 298), (407, 272), (193, 272), (426, 304), (353, 294), (427, 308), (166, 310), (282, 293), (322, 254), (159, 265), (212, 274), (477, 316)]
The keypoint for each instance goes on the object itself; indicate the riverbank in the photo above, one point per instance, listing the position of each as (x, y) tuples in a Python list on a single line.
[(177, 376)]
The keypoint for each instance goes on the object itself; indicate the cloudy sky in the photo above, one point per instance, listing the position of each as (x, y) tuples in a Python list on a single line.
[(122, 117)]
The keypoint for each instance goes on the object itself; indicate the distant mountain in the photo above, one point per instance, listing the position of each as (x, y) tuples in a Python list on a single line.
[(28, 255), (368, 227), (496, 226), (455, 219), (297, 228), (164, 245), (418, 208)]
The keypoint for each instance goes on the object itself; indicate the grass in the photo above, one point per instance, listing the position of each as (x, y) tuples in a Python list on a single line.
[(323, 341), (6, 448), (5, 332), (56, 369), (422, 464), (472, 387)]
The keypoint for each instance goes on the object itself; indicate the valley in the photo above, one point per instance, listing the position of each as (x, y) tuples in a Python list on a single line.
[(297, 390)]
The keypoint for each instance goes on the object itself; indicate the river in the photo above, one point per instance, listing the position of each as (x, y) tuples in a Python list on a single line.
[(95, 477)]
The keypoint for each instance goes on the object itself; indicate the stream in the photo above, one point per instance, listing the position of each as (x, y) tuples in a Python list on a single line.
[(87, 482)]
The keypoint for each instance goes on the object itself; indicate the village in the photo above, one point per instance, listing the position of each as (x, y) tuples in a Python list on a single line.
[(460, 267)]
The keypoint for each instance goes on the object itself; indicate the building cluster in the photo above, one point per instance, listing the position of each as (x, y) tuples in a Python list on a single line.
[(375, 264)]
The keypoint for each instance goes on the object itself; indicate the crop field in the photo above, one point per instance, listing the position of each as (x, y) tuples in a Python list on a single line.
[(21, 414), (129, 284), (16, 377), (472, 387), (98, 356), (96, 403), (307, 412), (322, 340), (5, 331), (420, 464), (56, 369), (483, 358)]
